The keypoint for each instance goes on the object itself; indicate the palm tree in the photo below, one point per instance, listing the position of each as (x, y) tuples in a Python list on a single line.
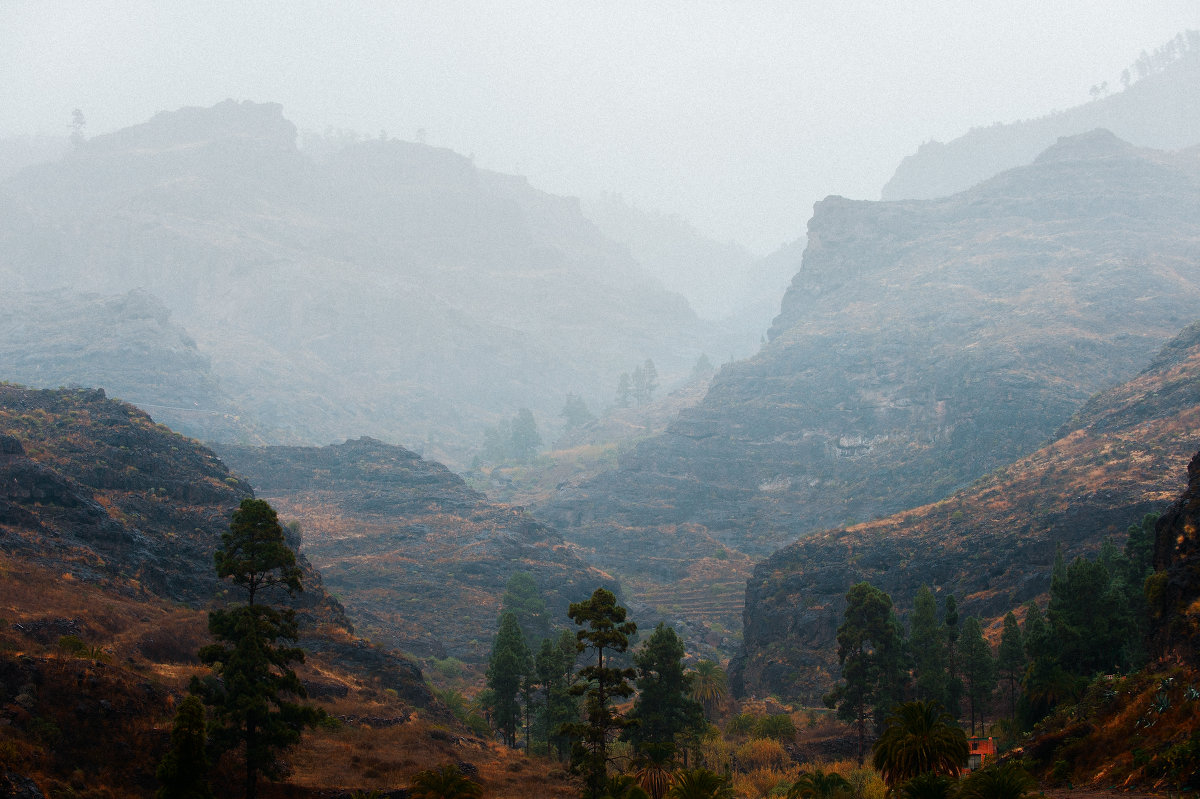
[(709, 685), (817, 784), (1007, 781), (446, 782), (919, 737), (623, 786), (700, 783)]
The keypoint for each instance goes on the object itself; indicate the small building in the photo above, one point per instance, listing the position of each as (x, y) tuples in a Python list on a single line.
[(980, 752)]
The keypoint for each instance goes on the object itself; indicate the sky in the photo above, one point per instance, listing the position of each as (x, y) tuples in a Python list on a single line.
[(736, 116)]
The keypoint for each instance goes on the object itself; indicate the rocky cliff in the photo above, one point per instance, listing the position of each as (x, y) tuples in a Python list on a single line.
[(1174, 590), (992, 545), (391, 288), (420, 559), (920, 345)]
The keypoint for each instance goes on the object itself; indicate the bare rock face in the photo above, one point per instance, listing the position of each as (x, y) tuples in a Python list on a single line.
[(1174, 589), (921, 345)]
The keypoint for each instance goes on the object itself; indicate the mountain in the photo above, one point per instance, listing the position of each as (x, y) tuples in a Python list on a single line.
[(993, 544), (126, 344), (390, 288), (420, 559), (921, 345), (1162, 110)]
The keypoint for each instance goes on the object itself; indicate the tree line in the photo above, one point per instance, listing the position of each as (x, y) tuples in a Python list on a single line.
[(1095, 623), (559, 692)]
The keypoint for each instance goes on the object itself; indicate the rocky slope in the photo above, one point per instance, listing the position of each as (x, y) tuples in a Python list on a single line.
[(991, 545), (92, 490), (391, 288), (1162, 111), (420, 559), (921, 345), (125, 344)]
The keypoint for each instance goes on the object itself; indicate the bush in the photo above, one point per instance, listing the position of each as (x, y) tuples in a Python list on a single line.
[(741, 724), (761, 753), (779, 727)]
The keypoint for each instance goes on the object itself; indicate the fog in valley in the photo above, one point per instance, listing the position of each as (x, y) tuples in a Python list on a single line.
[(755, 318)]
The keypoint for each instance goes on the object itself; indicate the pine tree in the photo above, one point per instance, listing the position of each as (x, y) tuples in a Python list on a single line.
[(252, 677), (575, 412), (183, 772), (869, 644), (555, 666), (638, 384), (525, 438), (606, 630), (928, 646), (624, 390), (650, 379), (1010, 660), (508, 663), (954, 686), (664, 708), (523, 598), (978, 669)]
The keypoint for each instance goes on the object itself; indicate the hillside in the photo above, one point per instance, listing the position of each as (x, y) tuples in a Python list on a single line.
[(420, 559), (1162, 110), (991, 545), (126, 344), (391, 288), (921, 345)]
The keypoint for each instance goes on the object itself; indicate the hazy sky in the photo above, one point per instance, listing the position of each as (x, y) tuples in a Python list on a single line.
[(736, 116)]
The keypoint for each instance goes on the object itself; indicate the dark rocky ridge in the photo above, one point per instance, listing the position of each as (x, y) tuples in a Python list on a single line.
[(991, 545), (921, 345), (420, 559), (94, 490), (1174, 591)]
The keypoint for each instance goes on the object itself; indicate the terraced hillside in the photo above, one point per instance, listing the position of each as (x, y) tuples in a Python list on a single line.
[(991, 545)]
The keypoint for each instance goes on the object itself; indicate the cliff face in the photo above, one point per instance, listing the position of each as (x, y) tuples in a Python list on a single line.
[(920, 345), (420, 559), (991, 545), (390, 288), (1174, 590)]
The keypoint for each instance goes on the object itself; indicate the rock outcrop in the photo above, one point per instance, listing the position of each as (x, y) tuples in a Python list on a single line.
[(420, 559), (992, 545), (921, 345), (1174, 590)]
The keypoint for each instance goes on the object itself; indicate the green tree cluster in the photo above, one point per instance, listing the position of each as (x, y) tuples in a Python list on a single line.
[(639, 386), (512, 441)]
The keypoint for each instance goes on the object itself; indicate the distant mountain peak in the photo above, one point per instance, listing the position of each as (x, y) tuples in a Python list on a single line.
[(262, 123), (1098, 143)]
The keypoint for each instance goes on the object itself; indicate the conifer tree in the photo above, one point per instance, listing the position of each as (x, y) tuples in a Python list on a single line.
[(869, 647), (954, 686), (664, 708), (1010, 660), (928, 646), (253, 681), (624, 390), (525, 438), (183, 772), (523, 598), (555, 666), (978, 668), (605, 630), (650, 379), (508, 663)]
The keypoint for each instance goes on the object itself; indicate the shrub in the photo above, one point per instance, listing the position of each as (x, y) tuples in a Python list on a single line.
[(779, 727), (761, 753)]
